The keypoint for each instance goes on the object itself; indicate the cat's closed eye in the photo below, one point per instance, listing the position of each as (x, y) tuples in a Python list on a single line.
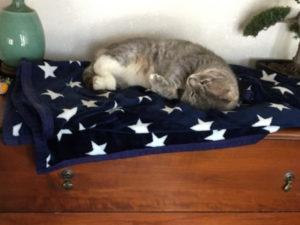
[(205, 82)]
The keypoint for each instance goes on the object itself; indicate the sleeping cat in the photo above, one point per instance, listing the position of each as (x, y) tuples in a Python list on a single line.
[(174, 69)]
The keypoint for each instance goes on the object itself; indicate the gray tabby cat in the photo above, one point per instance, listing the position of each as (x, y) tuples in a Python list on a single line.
[(174, 69)]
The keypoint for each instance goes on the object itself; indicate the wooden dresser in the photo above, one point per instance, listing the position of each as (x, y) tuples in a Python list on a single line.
[(242, 185)]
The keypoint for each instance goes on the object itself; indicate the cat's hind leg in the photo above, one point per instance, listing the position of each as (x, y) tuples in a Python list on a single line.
[(104, 79), (163, 87)]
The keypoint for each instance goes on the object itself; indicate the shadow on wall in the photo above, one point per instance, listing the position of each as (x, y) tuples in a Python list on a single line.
[(138, 26)]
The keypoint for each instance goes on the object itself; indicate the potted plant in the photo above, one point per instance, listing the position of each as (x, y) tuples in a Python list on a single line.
[(263, 21)]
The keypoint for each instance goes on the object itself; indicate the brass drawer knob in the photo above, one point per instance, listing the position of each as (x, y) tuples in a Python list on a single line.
[(67, 176), (288, 178)]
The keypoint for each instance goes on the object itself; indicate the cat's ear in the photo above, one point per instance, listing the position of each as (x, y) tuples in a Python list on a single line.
[(198, 80)]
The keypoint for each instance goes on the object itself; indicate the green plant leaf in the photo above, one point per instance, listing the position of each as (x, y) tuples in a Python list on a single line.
[(265, 19)]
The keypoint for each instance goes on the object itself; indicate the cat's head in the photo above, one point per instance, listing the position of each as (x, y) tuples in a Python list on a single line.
[(212, 89)]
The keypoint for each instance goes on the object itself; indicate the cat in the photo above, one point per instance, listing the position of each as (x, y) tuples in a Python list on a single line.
[(174, 69)]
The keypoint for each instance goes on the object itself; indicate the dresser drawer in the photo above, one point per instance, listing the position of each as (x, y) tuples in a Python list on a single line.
[(243, 179)]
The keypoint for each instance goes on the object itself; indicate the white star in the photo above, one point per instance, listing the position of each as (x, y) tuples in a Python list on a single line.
[(269, 77), (169, 110), (68, 113), (93, 126), (89, 104), (262, 122), (271, 129), (217, 135), (202, 126), (81, 127), (298, 83), (49, 70), (226, 112), (140, 127), (115, 108), (157, 142), (141, 98), (78, 62), (74, 84), (16, 129), (97, 149), (280, 107), (48, 160), (62, 132), (283, 90), (106, 94), (53, 95)]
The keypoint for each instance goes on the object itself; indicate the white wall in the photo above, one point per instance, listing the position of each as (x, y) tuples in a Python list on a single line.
[(74, 28)]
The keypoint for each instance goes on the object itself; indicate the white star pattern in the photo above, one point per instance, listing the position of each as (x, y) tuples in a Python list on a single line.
[(81, 127), (93, 126), (140, 127), (115, 108), (62, 132), (48, 161), (73, 84), (269, 77), (156, 141), (280, 107), (53, 95), (16, 130), (226, 112), (78, 62), (89, 104), (262, 122), (283, 90), (67, 113), (48, 70), (202, 126), (106, 94), (141, 98), (271, 129), (169, 110), (269, 103), (217, 135), (97, 149)]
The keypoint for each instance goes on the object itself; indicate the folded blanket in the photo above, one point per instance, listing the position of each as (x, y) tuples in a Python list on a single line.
[(48, 106)]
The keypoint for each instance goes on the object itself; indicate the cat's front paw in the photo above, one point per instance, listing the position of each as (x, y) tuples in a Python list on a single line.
[(156, 79), (162, 87)]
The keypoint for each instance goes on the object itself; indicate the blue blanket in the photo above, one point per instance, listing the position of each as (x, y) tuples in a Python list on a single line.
[(48, 106)]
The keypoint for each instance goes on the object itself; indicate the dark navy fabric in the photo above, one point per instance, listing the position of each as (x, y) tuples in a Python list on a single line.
[(48, 106)]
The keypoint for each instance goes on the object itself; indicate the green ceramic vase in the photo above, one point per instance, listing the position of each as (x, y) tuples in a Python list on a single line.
[(21, 34)]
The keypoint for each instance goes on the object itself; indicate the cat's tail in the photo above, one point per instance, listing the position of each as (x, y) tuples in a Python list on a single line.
[(88, 75)]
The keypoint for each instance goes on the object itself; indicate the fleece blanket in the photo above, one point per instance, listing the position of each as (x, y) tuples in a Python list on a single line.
[(49, 107)]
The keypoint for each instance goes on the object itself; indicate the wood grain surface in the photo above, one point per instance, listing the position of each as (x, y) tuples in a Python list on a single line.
[(150, 218), (242, 179)]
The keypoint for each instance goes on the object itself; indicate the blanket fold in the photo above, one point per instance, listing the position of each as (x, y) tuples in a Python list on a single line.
[(48, 106)]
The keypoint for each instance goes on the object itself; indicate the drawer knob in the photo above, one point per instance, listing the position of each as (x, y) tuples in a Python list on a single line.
[(67, 176), (288, 178)]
